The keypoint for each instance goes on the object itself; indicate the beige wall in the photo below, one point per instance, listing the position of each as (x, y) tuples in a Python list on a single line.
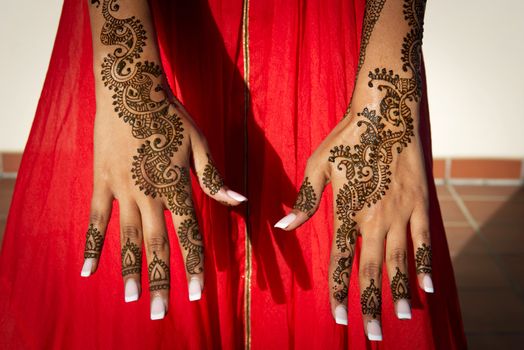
[(474, 51)]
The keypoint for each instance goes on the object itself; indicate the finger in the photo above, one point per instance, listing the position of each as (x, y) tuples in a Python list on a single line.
[(396, 263), (131, 248), (308, 199), (420, 235), (100, 212), (370, 279), (157, 252), (208, 175)]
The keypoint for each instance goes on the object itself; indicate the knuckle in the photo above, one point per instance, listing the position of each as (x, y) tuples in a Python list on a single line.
[(423, 235), (157, 243), (97, 218), (398, 256), (371, 270), (131, 232)]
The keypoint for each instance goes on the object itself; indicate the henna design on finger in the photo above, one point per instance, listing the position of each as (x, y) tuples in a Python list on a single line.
[(341, 277), (423, 259), (141, 100), (94, 242), (306, 198), (211, 177), (158, 272), (131, 258), (371, 300), (191, 240), (400, 286)]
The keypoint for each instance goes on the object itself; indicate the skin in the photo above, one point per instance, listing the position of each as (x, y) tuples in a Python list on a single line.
[(123, 150), (380, 203)]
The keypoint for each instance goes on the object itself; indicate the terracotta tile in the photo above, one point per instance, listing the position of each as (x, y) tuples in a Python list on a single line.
[(504, 238), (443, 193), (499, 191), (463, 240), (451, 211), (11, 162), (514, 265), (490, 341), (439, 168), (504, 212), (486, 168), (6, 192), (491, 310), (479, 271)]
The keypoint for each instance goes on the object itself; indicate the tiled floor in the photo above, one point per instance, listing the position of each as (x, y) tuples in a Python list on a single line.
[(485, 230)]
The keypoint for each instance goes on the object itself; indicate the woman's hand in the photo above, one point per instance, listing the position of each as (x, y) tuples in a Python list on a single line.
[(143, 142), (374, 160)]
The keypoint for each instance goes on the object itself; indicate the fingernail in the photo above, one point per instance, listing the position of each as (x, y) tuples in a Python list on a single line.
[(285, 221), (236, 196), (374, 330), (403, 310), (131, 293), (158, 309), (195, 291), (341, 315), (86, 269), (428, 284)]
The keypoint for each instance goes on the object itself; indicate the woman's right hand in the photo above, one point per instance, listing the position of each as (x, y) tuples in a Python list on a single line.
[(143, 142)]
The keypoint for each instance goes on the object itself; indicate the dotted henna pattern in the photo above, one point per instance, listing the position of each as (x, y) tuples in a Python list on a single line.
[(306, 198), (191, 240), (94, 242), (131, 258), (400, 286)]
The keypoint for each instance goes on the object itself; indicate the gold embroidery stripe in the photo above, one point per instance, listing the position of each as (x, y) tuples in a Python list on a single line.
[(247, 248)]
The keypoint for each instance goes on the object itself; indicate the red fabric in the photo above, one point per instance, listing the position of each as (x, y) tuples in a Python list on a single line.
[(301, 69)]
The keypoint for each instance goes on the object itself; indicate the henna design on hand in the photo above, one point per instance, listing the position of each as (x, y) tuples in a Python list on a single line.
[(191, 240), (400, 286), (306, 198), (371, 300), (94, 242), (158, 272), (371, 15), (131, 258), (367, 164), (96, 3), (423, 259), (211, 177), (133, 83)]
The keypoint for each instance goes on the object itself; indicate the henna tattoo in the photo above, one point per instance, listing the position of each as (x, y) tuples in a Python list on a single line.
[(211, 177), (96, 3), (134, 84), (307, 198), (400, 286), (341, 277), (131, 258), (366, 165), (191, 240), (371, 300), (158, 272), (371, 15), (423, 259), (94, 242)]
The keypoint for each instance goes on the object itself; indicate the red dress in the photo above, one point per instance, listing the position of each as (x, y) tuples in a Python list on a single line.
[(266, 80)]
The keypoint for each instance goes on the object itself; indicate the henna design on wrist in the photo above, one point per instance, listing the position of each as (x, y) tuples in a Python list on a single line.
[(306, 198), (423, 259), (131, 258), (371, 300), (136, 86), (371, 15), (191, 240), (211, 177), (400, 286), (367, 164), (158, 273), (94, 242)]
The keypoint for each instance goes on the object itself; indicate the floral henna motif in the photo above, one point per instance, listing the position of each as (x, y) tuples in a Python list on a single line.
[(211, 177), (133, 83), (423, 259), (367, 164), (131, 258), (94, 242), (158, 272), (306, 198), (400, 286), (191, 240), (371, 300)]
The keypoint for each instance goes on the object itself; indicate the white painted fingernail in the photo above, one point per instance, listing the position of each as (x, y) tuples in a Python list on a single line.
[(286, 220), (131, 293), (374, 330), (86, 268), (236, 196), (341, 315), (195, 291), (403, 310), (158, 309), (428, 284)]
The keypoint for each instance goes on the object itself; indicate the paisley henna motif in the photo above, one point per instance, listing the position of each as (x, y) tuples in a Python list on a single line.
[(191, 240)]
